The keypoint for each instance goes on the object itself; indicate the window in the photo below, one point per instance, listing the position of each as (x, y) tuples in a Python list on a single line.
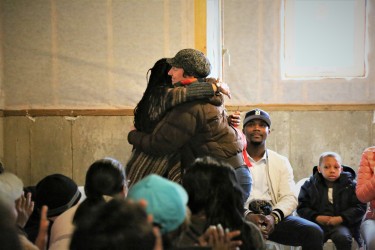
[(323, 38)]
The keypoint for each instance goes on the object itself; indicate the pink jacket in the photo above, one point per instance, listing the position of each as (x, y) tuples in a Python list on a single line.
[(366, 181)]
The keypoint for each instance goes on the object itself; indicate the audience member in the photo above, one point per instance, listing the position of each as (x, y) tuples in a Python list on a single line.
[(115, 225), (328, 198), (366, 193), (56, 191), (31, 227), (159, 97), (104, 178), (215, 198), (11, 190), (9, 236), (59, 193), (273, 181), (167, 204), (198, 128)]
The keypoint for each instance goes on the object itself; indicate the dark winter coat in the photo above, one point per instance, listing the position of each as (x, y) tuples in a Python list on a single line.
[(194, 129), (313, 200)]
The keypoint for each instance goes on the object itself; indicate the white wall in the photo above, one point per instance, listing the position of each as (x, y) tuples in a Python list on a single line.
[(252, 35)]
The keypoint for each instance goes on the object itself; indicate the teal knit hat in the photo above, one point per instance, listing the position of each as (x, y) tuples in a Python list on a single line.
[(166, 201)]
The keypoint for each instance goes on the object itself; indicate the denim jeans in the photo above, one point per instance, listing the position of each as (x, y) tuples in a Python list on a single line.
[(296, 231), (341, 237), (368, 233), (245, 180)]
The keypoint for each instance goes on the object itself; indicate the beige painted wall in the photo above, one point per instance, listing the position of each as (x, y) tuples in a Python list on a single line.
[(94, 54), (90, 53)]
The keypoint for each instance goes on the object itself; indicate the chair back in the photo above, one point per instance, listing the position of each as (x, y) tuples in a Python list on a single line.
[(299, 185)]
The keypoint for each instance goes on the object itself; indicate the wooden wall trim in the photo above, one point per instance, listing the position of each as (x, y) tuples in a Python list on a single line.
[(69, 112), (302, 107), (200, 25), (230, 108)]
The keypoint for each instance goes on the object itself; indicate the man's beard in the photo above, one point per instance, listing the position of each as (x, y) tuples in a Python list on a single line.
[(256, 143)]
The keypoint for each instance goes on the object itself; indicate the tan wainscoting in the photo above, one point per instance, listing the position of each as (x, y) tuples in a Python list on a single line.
[(38, 142)]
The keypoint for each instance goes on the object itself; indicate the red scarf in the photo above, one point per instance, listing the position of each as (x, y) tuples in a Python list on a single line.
[(244, 153), (188, 81)]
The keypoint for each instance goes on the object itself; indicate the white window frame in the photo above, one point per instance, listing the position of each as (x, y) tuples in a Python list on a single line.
[(214, 37)]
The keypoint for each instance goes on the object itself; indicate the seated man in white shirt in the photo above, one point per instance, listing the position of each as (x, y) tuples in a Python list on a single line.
[(273, 182)]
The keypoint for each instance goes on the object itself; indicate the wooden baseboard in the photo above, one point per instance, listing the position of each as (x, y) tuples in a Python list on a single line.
[(69, 112), (230, 108), (302, 107)]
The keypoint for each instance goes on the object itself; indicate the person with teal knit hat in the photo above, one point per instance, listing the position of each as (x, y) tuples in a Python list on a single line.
[(166, 201)]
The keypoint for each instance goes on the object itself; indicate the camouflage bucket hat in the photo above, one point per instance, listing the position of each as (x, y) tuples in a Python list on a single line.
[(192, 61)]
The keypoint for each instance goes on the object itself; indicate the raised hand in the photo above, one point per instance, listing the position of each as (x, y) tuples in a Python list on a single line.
[(24, 207), (224, 89), (42, 238), (235, 119)]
